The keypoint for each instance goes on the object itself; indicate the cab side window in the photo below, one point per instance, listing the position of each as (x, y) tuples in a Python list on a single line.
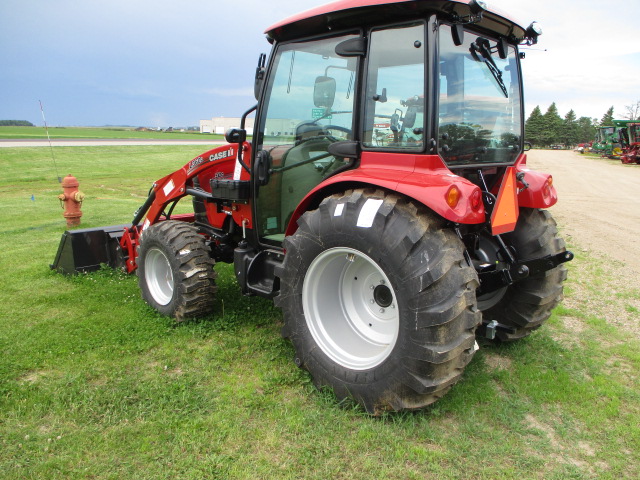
[(395, 102), (309, 106)]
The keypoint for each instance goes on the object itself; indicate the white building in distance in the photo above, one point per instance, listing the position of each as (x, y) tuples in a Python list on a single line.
[(219, 125), (277, 127)]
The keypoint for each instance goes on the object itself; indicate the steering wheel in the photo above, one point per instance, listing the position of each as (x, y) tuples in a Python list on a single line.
[(323, 131), (324, 134), (339, 129)]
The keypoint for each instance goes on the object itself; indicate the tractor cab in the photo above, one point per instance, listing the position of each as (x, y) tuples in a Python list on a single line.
[(608, 140), (395, 81)]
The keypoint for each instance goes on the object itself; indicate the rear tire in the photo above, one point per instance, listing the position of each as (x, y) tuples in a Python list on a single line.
[(527, 304), (175, 270), (378, 301)]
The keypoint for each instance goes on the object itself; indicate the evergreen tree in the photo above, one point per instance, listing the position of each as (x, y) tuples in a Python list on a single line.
[(534, 127), (586, 129), (570, 129), (552, 126), (548, 129), (607, 119)]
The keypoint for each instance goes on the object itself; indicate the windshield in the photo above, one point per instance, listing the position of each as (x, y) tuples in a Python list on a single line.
[(480, 119), (604, 133)]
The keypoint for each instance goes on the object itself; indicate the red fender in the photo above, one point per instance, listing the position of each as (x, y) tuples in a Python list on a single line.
[(424, 178), (540, 193)]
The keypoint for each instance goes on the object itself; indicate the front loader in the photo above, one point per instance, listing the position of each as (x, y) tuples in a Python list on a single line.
[(384, 201)]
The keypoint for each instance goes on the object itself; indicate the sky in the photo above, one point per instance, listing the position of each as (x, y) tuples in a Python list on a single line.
[(160, 63)]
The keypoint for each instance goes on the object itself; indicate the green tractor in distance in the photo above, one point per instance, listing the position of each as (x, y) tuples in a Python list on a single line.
[(607, 142)]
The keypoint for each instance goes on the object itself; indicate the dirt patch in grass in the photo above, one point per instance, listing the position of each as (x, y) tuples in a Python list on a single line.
[(497, 362), (605, 289), (569, 335), (567, 452)]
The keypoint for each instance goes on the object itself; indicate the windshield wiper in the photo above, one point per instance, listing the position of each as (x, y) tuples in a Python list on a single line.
[(482, 46)]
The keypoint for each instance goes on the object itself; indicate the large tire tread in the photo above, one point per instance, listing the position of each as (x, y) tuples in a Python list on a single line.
[(440, 326), (192, 265)]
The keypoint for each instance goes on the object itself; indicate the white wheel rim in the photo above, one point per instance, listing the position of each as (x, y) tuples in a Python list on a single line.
[(158, 275), (350, 308)]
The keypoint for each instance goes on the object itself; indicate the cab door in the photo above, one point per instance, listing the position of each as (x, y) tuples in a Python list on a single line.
[(308, 105)]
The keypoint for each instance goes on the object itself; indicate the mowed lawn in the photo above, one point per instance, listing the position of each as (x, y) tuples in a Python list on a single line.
[(94, 384), (40, 133)]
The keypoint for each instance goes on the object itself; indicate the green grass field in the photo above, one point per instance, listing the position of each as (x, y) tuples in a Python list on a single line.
[(94, 384), (39, 133)]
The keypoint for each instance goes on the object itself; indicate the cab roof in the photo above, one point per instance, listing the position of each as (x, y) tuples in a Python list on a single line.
[(345, 14)]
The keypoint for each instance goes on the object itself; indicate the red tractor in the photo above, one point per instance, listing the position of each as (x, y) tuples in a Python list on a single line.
[(630, 142), (388, 257)]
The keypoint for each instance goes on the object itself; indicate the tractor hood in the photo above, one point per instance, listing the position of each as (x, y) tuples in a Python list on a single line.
[(346, 14)]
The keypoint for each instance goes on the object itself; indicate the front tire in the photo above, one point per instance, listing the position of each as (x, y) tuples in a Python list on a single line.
[(175, 271), (378, 301)]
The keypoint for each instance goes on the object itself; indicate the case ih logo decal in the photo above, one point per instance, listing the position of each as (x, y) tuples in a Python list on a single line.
[(221, 155)]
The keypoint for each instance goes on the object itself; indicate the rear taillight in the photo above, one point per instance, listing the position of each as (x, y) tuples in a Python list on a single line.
[(476, 200)]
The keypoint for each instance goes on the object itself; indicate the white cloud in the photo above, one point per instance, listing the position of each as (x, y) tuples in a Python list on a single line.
[(587, 58)]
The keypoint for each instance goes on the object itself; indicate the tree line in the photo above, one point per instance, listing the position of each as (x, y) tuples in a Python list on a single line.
[(549, 128), (15, 123)]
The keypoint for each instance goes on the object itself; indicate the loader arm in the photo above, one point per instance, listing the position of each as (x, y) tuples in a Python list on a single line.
[(217, 165)]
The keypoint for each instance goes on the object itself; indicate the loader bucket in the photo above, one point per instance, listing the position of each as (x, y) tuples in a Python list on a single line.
[(87, 249)]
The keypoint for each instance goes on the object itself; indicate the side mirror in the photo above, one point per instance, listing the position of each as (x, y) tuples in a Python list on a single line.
[(324, 92), (236, 135), (527, 146)]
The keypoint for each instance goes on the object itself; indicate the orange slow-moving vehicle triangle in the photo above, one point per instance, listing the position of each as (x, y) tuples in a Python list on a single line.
[(505, 213)]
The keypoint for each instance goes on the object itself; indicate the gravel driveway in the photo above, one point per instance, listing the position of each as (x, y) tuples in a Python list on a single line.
[(598, 203), (598, 212)]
